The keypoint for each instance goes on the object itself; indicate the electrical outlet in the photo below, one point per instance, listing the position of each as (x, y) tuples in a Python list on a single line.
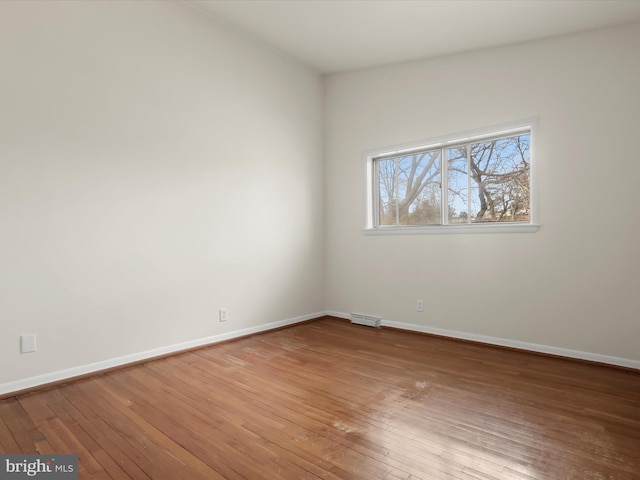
[(420, 306), (28, 343), (223, 315)]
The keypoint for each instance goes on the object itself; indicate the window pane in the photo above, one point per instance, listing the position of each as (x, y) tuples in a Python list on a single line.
[(488, 181), (499, 176), (409, 189), (419, 189), (457, 178), (386, 173)]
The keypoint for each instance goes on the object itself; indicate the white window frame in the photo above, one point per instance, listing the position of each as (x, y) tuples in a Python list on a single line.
[(506, 129)]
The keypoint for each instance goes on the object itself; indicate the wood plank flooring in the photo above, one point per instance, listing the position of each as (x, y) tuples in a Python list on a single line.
[(330, 400)]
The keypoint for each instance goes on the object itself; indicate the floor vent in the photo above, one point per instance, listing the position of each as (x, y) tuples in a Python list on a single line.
[(368, 320)]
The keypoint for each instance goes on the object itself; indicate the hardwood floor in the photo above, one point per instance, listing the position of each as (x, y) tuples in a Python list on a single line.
[(330, 400)]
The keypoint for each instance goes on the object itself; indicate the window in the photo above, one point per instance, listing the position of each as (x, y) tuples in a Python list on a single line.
[(480, 181)]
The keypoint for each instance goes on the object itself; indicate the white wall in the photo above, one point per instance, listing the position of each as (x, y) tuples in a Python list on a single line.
[(154, 167), (573, 285)]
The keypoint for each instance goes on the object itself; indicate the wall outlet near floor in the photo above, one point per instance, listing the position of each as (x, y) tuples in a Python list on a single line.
[(28, 343), (420, 306), (223, 314)]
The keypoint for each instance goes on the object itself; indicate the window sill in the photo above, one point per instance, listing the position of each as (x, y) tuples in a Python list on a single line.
[(454, 229)]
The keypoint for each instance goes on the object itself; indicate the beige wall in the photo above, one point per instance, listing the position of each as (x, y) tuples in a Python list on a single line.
[(572, 285), (154, 167)]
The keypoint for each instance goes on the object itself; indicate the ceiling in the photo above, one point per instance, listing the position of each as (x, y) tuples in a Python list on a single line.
[(339, 35)]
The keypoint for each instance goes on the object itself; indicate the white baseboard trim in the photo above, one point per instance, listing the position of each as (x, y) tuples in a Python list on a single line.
[(333, 313), (504, 342), (83, 370)]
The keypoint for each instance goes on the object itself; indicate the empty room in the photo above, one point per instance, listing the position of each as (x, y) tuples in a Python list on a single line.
[(304, 239)]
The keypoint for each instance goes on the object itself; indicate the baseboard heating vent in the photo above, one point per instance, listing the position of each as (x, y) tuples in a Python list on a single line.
[(368, 320)]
